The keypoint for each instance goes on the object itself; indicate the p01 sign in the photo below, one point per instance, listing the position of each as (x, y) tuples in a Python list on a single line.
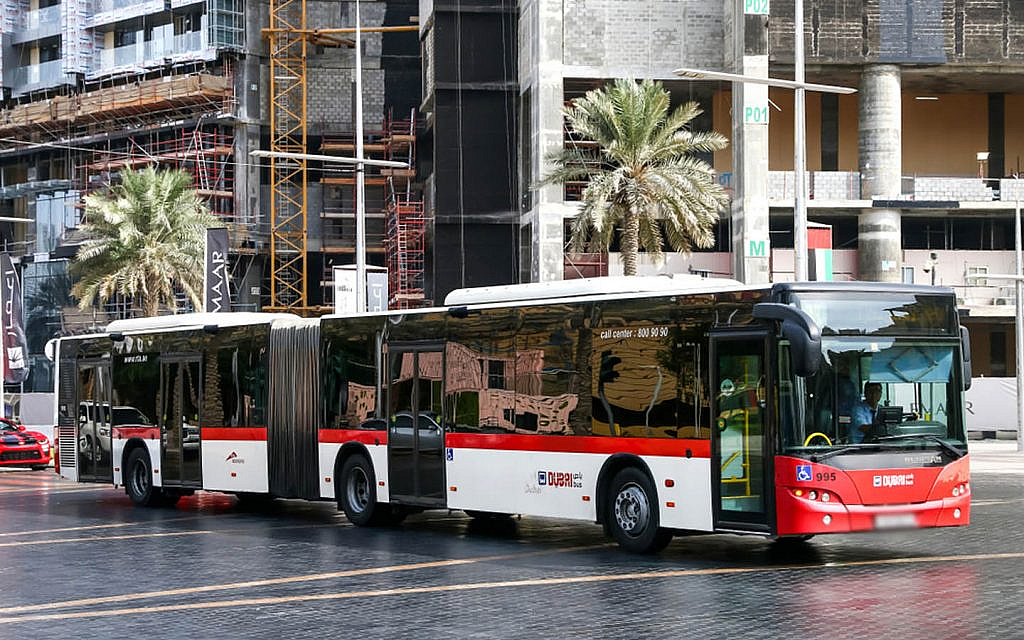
[(755, 7)]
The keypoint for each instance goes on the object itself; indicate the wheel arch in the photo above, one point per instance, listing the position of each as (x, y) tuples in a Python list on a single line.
[(131, 445), (348, 450), (613, 465)]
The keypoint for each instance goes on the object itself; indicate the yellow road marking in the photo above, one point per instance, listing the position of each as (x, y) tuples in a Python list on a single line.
[(129, 536), (293, 579), (472, 586), (96, 526)]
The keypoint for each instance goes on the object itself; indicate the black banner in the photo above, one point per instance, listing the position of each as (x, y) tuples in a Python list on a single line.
[(218, 275), (12, 319)]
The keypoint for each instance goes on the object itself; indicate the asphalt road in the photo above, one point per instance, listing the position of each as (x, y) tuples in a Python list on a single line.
[(81, 561)]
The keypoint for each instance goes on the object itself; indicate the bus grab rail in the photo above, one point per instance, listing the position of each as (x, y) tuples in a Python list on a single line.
[(802, 332)]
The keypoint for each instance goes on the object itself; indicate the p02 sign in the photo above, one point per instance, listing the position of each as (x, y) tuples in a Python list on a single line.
[(755, 7)]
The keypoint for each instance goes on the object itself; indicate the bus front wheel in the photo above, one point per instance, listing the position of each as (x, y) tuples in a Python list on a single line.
[(631, 513)]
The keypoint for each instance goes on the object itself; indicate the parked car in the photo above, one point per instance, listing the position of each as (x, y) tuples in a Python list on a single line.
[(20, 447)]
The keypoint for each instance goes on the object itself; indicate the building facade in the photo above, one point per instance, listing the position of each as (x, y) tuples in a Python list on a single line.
[(916, 175), (94, 87)]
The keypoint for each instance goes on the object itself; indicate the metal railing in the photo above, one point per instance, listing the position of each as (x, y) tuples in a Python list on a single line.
[(47, 74)]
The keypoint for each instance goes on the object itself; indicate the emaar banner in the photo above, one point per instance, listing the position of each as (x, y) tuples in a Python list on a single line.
[(218, 275)]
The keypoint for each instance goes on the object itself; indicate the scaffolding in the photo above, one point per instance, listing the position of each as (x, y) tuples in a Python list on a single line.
[(406, 249), (204, 152), (395, 223)]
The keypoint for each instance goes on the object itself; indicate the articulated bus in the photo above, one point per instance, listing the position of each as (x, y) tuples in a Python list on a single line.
[(652, 406)]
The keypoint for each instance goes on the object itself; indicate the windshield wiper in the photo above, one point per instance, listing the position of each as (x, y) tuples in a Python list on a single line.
[(948, 448), (836, 452)]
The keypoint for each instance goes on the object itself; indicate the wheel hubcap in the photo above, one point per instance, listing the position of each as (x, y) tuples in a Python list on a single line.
[(632, 510), (140, 479), (358, 490)]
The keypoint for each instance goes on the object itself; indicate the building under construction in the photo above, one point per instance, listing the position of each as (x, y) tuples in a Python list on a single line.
[(93, 88)]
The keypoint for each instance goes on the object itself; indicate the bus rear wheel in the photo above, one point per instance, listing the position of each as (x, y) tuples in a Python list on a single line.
[(138, 480), (356, 490), (631, 513)]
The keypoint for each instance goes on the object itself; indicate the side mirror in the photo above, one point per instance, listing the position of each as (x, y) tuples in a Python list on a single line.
[(801, 331), (965, 350)]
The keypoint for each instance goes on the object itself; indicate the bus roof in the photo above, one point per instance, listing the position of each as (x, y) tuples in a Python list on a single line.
[(197, 321), (562, 289)]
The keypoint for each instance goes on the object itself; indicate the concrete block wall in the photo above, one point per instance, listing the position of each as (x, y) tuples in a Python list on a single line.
[(329, 70), (1011, 190), (857, 31), (650, 37), (959, 189), (821, 185)]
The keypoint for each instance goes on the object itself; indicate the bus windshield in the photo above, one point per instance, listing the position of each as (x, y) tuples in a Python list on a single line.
[(897, 392)]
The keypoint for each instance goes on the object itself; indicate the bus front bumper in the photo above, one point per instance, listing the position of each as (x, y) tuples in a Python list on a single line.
[(799, 515)]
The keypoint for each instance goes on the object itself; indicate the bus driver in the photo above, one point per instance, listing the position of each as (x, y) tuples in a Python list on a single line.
[(864, 412)]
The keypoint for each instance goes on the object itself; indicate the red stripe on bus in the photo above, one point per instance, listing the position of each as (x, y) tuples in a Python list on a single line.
[(580, 444), (234, 433), (364, 436), (147, 433)]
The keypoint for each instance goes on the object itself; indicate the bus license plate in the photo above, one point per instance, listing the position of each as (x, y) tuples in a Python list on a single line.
[(895, 521)]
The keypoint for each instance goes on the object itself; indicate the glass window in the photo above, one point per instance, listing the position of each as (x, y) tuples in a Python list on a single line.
[(553, 371), (648, 382), (351, 392), (879, 313), (136, 377), (235, 384), (889, 390), (482, 376)]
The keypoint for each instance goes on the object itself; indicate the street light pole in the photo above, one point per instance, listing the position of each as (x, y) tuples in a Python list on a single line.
[(800, 148), (360, 175), (1019, 313), (800, 86)]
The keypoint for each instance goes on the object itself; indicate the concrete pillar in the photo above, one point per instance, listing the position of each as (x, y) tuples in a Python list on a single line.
[(540, 54), (746, 52), (880, 148)]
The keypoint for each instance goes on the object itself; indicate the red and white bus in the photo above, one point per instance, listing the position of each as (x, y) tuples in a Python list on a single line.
[(649, 405)]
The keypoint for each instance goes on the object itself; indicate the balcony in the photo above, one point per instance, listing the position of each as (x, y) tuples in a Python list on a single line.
[(39, 24), (109, 11), (38, 76), (154, 53)]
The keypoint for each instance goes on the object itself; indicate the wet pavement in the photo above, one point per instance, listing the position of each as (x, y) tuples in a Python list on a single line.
[(81, 561)]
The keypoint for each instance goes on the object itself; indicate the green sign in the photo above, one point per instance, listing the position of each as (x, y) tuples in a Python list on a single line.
[(755, 115), (757, 249), (755, 7)]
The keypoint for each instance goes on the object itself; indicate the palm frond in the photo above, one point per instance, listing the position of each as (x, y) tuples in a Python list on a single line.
[(146, 238), (645, 170)]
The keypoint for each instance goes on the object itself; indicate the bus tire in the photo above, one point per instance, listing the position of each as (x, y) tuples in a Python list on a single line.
[(138, 483), (632, 513), (356, 492)]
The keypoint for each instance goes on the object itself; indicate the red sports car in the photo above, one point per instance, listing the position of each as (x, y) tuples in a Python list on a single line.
[(22, 448)]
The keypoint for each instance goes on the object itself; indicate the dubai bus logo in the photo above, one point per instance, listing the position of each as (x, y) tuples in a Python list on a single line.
[(898, 480), (566, 479)]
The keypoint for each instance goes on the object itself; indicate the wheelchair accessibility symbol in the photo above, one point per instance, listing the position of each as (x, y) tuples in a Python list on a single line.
[(803, 473)]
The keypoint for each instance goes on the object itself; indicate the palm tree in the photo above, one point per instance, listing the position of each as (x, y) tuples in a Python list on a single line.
[(644, 176), (146, 238)]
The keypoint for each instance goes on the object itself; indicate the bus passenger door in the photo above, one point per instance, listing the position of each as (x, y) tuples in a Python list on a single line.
[(740, 434), (180, 461), (94, 438), (415, 436)]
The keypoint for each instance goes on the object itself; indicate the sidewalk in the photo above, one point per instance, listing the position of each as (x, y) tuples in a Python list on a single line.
[(995, 456)]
